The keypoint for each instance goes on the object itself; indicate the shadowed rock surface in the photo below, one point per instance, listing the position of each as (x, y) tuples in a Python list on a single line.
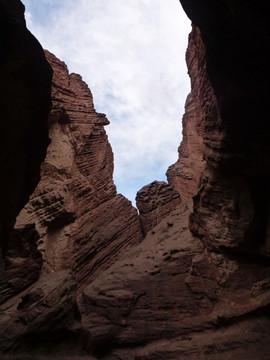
[(186, 296), (185, 174), (197, 286), (232, 206), (25, 103)]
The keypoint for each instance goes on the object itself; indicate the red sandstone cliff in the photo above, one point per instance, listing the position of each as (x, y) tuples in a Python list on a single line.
[(197, 286), (83, 224), (185, 174), (75, 224), (154, 202), (186, 296)]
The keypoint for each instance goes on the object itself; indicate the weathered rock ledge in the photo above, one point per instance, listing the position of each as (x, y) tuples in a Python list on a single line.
[(154, 202)]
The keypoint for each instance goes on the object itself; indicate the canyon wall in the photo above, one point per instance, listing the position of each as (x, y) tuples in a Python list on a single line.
[(187, 278), (75, 224), (236, 141), (197, 286), (25, 104), (83, 224)]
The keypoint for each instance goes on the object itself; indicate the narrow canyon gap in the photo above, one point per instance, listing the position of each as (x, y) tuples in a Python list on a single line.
[(132, 56), (82, 274)]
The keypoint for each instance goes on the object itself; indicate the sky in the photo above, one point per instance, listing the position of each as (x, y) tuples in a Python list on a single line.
[(131, 53)]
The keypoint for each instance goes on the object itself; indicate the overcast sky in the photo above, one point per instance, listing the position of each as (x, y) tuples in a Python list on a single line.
[(131, 53)]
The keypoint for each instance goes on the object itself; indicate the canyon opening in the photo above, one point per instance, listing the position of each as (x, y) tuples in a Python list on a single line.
[(83, 274)]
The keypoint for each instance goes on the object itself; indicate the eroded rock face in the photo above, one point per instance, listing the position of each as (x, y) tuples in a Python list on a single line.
[(154, 202), (83, 224), (231, 208), (185, 174), (180, 296), (75, 225), (170, 297), (143, 297), (34, 320), (198, 285)]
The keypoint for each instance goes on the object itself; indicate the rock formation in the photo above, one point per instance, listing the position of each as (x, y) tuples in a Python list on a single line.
[(83, 224), (82, 280), (154, 202), (231, 207), (75, 224), (190, 296), (185, 174)]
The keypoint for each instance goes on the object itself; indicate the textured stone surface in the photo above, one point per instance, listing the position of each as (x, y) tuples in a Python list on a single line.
[(22, 263), (41, 316), (185, 174), (144, 296), (198, 285), (74, 223), (154, 202), (211, 300), (231, 208), (171, 298), (82, 223), (213, 345)]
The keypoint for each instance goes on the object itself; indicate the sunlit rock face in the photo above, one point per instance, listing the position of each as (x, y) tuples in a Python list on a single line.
[(196, 285)]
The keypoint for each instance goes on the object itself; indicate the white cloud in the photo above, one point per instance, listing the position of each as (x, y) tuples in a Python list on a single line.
[(131, 53)]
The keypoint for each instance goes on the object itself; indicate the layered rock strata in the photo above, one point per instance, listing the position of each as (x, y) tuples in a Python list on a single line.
[(231, 208), (170, 298), (180, 296), (154, 202), (198, 285), (185, 174), (82, 222), (75, 224)]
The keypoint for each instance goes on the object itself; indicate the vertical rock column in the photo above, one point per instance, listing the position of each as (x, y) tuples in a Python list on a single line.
[(82, 222)]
